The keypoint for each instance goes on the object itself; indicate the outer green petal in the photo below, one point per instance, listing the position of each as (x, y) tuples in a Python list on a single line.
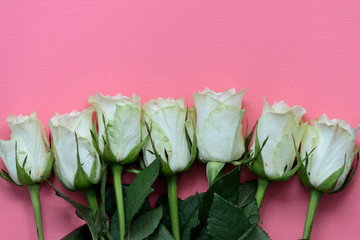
[(172, 122), (284, 153), (220, 137), (7, 153), (124, 131), (65, 152), (204, 105), (161, 142), (334, 144), (106, 106), (32, 141), (273, 126)]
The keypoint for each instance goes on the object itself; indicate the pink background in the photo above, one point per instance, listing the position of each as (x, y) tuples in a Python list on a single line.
[(54, 54)]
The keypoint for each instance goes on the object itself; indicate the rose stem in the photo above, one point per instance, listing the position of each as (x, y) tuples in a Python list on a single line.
[(310, 215), (117, 172), (34, 194), (173, 205)]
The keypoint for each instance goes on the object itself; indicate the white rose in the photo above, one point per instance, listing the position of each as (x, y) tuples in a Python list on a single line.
[(166, 118), (281, 125), (29, 145), (122, 116), (66, 149), (218, 125), (334, 147)]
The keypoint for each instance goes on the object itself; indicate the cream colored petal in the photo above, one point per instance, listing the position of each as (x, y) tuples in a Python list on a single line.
[(79, 122), (154, 105), (281, 107), (64, 144), (267, 108), (204, 106), (219, 96), (235, 100)]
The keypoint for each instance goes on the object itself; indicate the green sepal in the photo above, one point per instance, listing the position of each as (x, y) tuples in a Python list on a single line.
[(107, 154), (23, 176), (59, 178), (349, 176), (329, 183), (5, 175), (134, 153), (192, 147), (249, 136), (95, 138), (299, 161), (81, 180), (94, 169), (257, 165), (214, 170), (49, 165), (165, 169), (248, 156), (303, 174)]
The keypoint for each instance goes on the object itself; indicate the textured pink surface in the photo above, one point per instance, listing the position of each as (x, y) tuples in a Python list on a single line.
[(54, 54)]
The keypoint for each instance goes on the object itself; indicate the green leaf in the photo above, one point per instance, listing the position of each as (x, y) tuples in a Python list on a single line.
[(258, 234), (139, 189), (104, 178), (161, 233), (227, 187), (94, 222), (164, 203), (227, 221), (188, 216), (114, 226), (145, 224), (110, 199), (247, 193), (252, 212), (80, 233)]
